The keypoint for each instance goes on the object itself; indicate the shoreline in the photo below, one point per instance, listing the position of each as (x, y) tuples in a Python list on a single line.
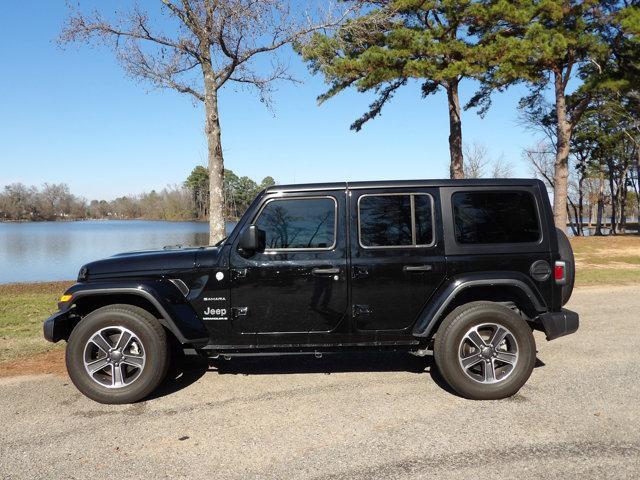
[(73, 220)]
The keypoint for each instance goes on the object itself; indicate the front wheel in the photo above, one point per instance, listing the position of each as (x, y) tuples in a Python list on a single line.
[(485, 351), (117, 354)]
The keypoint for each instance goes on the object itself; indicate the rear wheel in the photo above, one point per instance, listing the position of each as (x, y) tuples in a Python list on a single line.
[(117, 354), (484, 351)]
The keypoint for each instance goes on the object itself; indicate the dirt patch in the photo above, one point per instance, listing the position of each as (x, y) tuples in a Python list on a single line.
[(55, 288), (47, 362), (610, 265)]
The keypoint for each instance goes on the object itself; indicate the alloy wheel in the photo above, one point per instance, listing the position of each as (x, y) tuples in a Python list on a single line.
[(114, 357), (488, 353)]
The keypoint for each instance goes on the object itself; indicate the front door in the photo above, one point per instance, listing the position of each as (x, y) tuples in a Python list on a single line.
[(298, 284), (397, 257)]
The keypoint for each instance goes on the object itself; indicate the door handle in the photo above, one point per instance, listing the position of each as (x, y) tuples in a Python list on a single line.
[(325, 271), (417, 268)]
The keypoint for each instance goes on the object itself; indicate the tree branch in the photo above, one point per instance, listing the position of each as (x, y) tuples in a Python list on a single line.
[(375, 108), (182, 15)]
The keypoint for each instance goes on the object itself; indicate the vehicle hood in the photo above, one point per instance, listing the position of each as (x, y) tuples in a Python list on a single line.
[(152, 262)]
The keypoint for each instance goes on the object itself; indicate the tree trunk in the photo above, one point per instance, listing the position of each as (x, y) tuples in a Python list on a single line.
[(572, 225), (217, 229), (561, 170), (614, 196), (623, 202), (456, 170), (598, 231), (581, 200), (636, 187)]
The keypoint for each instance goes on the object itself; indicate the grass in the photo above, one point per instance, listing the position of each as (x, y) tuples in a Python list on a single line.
[(23, 307), (611, 260)]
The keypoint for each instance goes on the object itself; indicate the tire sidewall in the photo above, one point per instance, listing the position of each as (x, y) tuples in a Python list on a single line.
[(154, 346), (451, 333)]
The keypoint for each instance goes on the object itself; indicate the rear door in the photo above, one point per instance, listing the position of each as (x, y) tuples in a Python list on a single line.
[(397, 257)]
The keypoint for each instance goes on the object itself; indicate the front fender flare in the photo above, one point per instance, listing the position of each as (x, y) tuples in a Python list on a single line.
[(175, 312), (437, 305)]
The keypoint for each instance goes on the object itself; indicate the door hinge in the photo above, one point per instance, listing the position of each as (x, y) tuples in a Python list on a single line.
[(359, 272), (239, 311), (361, 310), (238, 273)]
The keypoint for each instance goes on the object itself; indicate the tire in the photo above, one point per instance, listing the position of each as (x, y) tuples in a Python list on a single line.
[(453, 346), (138, 346), (566, 255)]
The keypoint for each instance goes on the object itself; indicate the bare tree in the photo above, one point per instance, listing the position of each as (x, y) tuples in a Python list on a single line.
[(476, 160), (501, 168), (204, 45), (542, 159)]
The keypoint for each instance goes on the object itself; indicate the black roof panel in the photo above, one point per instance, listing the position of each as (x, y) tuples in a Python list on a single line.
[(480, 182)]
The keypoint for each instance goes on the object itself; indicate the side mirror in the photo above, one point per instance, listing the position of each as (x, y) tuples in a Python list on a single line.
[(252, 239)]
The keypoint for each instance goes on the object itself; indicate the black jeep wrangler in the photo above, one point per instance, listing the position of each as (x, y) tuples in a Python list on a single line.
[(461, 269)]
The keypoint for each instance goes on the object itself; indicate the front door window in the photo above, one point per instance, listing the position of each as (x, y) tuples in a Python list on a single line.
[(299, 224)]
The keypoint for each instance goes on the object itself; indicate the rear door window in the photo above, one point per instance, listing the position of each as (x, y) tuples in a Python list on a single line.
[(395, 220), (489, 217)]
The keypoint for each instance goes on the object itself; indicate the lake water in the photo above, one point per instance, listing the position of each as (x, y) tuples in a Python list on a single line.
[(46, 251)]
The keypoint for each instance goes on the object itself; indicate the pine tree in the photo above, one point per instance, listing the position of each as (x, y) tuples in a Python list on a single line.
[(542, 43), (394, 42)]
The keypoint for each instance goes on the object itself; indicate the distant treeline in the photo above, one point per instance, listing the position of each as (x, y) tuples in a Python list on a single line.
[(189, 201)]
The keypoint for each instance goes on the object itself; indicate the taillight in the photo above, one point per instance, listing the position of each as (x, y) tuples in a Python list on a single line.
[(560, 272)]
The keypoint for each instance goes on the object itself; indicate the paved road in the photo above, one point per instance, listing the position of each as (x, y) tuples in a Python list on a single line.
[(349, 417)]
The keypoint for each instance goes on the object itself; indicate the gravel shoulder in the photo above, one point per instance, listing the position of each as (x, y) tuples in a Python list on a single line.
[(351, 417)]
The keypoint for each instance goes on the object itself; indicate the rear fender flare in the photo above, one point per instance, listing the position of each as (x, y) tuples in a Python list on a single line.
[(434, 310)]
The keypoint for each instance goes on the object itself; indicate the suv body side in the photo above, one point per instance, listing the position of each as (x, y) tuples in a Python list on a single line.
[(343, 294)]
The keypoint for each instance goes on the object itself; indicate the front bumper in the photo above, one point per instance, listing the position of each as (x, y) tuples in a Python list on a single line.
[(58, 326), (559, 324)]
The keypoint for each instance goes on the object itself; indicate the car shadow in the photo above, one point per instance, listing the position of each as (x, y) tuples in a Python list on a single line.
[(187, 370), (347, 362), (184, 371)]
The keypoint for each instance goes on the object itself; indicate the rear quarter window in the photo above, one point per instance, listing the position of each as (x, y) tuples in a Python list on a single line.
[(489, 217)]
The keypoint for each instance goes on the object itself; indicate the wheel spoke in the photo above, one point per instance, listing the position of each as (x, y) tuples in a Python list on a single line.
[(116, 376), (97, 365), (498, 336), (475, 338), (471, 360), (123, 341), (99, 341), (134, 361), (489, 372), (507, 357)]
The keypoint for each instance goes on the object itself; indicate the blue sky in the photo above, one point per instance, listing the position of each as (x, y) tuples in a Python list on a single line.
[(73, 116)]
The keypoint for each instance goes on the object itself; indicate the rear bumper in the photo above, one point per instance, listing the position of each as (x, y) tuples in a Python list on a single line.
[(559, 324), (57, 327)]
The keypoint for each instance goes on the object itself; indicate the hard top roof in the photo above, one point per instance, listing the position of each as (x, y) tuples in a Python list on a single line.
[(479, 182)]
